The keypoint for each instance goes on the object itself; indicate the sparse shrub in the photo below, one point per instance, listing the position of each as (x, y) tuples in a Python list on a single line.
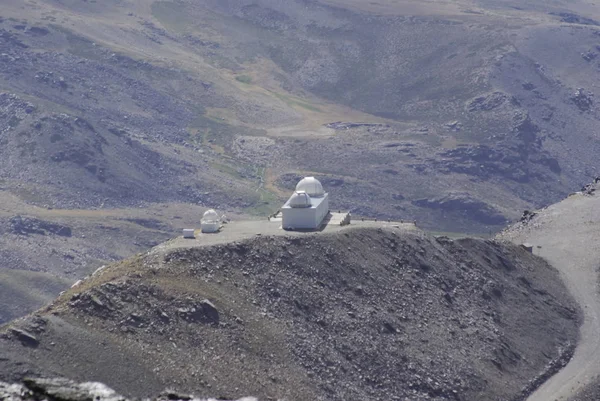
[(245, 79)]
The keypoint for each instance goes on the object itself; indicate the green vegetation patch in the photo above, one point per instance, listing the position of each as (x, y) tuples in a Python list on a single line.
[(265, 203), (245, 79), (78, 45), (227, 169), (214, 133), (294, 101)]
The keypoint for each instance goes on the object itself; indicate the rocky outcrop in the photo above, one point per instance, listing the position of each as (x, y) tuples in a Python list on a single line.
[(483, 162), (24, 225), (573, 18), (487, 102), (465, 204), (59, 389), (339, 125), (590, 189), (526, 130), (25, 337), (520, 161), (583, 99), (527, 216)]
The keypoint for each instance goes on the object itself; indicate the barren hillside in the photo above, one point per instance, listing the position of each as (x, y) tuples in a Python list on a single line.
[(362, 313), (471, 112), (123, 120), (566, 234)]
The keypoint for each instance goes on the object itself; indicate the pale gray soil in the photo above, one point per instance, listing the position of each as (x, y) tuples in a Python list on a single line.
[(247, 229), (567, 235)]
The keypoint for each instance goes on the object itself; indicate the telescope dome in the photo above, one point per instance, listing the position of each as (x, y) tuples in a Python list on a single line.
[(311, 186), (299, 199), (210, 215)]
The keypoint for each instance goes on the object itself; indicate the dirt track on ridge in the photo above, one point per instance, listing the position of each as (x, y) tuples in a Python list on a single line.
[(567, 235)]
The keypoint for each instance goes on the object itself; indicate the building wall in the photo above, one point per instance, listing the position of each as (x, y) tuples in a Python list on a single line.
[(301, 218), (305, 218), (210, 227), (322, 210)]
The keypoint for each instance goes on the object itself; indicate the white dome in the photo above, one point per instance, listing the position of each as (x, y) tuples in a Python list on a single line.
[(311, 186), (300, 199), (210, 215)]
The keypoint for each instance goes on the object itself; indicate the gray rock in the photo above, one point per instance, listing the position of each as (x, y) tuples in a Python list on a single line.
[(583, 99), (60, 389), (25, 337)]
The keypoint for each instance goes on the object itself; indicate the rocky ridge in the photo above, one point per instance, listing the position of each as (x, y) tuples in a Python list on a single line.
[(360, 314)]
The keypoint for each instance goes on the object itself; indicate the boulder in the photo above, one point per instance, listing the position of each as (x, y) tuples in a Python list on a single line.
[(25, 337)]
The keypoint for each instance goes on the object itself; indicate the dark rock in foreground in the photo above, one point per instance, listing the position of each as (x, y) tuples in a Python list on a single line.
[(67, 390)]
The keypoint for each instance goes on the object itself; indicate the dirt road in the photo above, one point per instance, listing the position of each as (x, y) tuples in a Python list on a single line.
[(567, 234)]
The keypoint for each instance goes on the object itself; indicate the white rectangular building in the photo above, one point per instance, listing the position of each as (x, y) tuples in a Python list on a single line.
[(307, 217)]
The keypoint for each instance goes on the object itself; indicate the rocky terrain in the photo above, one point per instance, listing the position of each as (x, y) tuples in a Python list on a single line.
[(43, 252), (405, 107), (67, 390), (591, 393), (362, 313), (566, 235), (457, 114)]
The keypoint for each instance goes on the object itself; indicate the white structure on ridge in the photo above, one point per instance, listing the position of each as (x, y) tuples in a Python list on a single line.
[(189, 233), (307, 207), (211, 222)]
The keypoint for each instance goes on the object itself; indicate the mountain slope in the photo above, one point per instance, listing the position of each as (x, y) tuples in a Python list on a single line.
[(457, 114), (22, 291), (566, 234), (206, 101), (362, 313)]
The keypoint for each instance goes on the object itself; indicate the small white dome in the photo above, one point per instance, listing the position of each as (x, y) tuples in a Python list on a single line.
[(211, 222), (210, 215), (311, 186), (300, 199)]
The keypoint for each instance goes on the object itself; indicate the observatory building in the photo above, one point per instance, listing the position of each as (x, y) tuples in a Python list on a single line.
[(211, 222), (307, 207)]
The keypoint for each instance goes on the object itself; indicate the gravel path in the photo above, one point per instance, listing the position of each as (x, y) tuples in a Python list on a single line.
[(567, 235)]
